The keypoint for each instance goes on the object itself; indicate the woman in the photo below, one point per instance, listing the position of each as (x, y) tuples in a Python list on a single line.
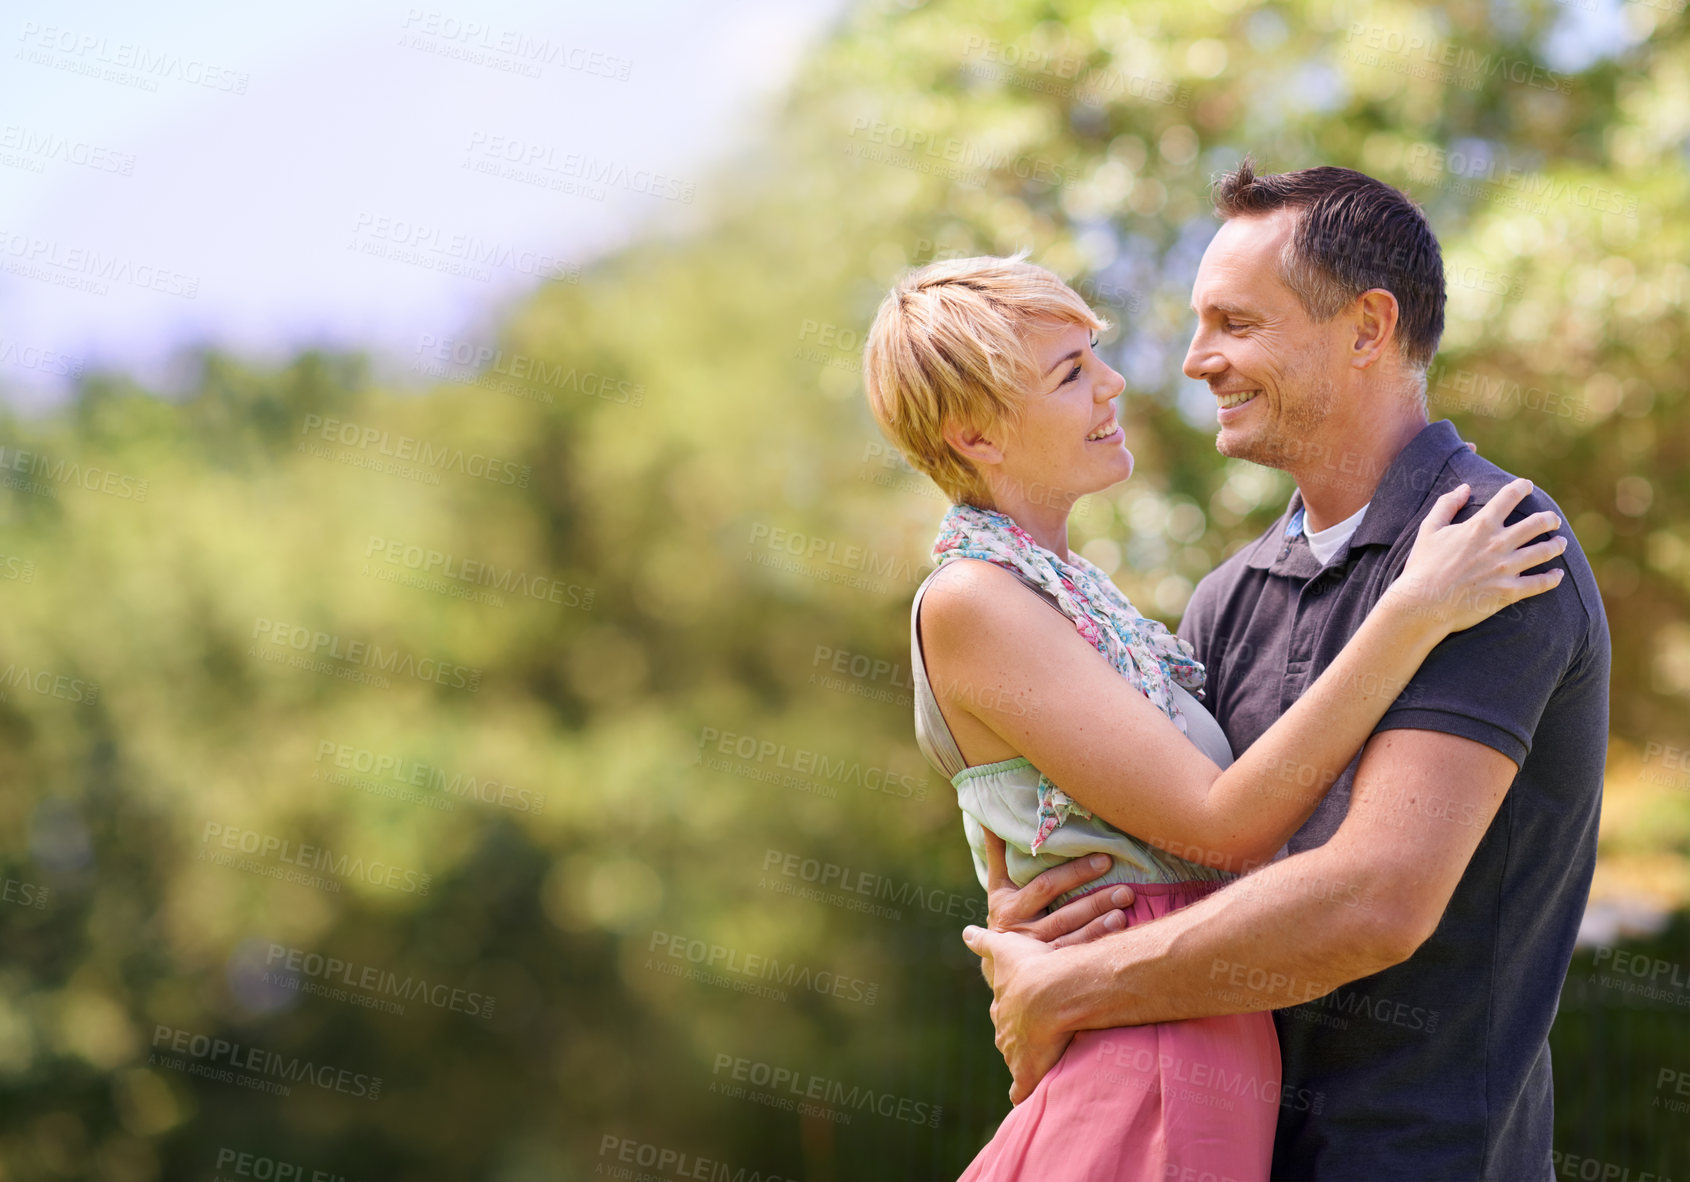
[(1088, 739)]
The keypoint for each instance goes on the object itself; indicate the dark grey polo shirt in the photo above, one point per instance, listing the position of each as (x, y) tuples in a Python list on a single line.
[(1437, 1068)]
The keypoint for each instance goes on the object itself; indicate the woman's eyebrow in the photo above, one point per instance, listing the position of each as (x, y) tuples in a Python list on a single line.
[(1073, 356)]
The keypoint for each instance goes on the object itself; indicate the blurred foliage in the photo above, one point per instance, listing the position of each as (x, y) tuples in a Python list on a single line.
[(732, 432)]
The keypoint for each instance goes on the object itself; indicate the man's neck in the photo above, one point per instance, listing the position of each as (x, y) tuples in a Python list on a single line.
[(1344, 474)]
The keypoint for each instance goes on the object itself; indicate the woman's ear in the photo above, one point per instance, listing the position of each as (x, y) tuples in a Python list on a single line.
[(974, 443)]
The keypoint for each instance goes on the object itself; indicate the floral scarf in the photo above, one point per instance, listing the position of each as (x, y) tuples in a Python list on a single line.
[(1152, 659)]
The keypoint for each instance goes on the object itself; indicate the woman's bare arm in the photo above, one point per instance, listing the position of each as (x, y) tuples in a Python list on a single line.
[(1023, 671)]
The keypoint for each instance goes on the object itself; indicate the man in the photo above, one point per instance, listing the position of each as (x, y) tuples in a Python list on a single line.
[(1414, 939)]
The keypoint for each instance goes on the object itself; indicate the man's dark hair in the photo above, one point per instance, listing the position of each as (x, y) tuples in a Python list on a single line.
[(1352, 234)]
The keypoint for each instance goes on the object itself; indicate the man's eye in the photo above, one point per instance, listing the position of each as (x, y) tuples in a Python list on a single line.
[(1234, 326)]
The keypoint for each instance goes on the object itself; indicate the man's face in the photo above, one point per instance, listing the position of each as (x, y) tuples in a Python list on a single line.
[(1273, 370)]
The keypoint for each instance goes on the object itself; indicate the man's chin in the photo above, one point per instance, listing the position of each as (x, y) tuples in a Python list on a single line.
[(1235, 445), (1239, 445)]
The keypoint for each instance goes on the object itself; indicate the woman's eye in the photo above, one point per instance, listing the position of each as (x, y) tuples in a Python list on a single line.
[(1073, 375)]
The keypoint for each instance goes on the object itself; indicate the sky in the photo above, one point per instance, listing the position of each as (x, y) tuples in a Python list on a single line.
[(366, 175), (359, 175)]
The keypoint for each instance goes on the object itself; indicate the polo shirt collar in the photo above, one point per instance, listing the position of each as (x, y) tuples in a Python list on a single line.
[(1401, 491)]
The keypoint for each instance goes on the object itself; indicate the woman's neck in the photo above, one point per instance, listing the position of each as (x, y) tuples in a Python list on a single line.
[(1046, 524)]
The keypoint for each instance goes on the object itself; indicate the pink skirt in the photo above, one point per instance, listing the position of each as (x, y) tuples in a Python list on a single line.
[(1192, 1101)]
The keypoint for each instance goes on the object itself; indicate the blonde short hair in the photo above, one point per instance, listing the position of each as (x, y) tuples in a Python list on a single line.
[(948, 346)]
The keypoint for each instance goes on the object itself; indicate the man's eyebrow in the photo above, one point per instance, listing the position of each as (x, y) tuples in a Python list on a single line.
[(1222, 307), (1073, 356)]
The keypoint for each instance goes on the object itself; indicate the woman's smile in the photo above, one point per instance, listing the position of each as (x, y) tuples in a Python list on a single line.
[(1110, 432)]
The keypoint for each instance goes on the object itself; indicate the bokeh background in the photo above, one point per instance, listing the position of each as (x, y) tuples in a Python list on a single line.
[(456, 717)]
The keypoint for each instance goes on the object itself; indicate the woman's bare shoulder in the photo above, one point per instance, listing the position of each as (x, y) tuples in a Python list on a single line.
[(975, 598)]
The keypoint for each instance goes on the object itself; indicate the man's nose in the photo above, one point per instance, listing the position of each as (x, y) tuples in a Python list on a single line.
[(1202, 361)]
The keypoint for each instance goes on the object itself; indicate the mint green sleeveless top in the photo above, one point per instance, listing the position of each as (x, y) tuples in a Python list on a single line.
[(1004, 796)]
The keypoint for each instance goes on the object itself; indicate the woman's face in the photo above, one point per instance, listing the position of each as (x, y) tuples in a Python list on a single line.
[(1068, 442)]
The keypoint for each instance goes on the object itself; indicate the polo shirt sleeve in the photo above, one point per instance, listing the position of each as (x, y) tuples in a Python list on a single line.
[(1491, 682)]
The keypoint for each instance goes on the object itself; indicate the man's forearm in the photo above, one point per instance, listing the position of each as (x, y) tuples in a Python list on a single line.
[(1286, 934)]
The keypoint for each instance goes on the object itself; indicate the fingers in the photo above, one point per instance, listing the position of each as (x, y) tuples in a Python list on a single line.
[(1022, 909), (1504, 501), (997, 867), (1066, 924), (1445, 508), (978, 944), (1527, 557), (1527, 586), (1067, 878), (1525, 530), (1109, 921)]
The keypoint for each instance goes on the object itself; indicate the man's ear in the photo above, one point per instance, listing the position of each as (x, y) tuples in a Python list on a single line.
[(975, 444), (1375, 321)]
